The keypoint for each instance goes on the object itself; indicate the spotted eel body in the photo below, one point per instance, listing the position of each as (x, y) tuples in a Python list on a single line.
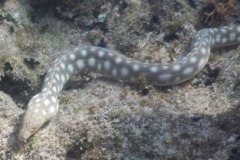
[(44, 106)]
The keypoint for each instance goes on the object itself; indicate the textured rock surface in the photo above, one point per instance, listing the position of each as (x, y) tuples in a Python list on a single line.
[(101, 118)]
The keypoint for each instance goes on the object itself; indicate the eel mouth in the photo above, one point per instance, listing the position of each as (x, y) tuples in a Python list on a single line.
[(23, 135)]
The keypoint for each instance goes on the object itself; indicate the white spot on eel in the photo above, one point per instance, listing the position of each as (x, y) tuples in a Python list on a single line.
[(44, 106)]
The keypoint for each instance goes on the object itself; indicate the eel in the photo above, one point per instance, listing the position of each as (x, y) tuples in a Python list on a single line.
[(44, 106)]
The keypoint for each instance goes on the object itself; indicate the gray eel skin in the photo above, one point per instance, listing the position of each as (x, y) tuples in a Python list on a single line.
[(44, 106)]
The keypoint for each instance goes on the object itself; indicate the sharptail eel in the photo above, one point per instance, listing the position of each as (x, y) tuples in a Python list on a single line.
[(44, 106)]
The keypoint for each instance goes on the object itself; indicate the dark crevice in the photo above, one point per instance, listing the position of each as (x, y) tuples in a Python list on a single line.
[(19, 89)]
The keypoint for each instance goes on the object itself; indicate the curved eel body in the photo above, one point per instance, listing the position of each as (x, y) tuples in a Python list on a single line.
[(44, 106)]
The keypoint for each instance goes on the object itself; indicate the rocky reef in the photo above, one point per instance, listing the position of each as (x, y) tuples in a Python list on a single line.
[(101, 118)]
